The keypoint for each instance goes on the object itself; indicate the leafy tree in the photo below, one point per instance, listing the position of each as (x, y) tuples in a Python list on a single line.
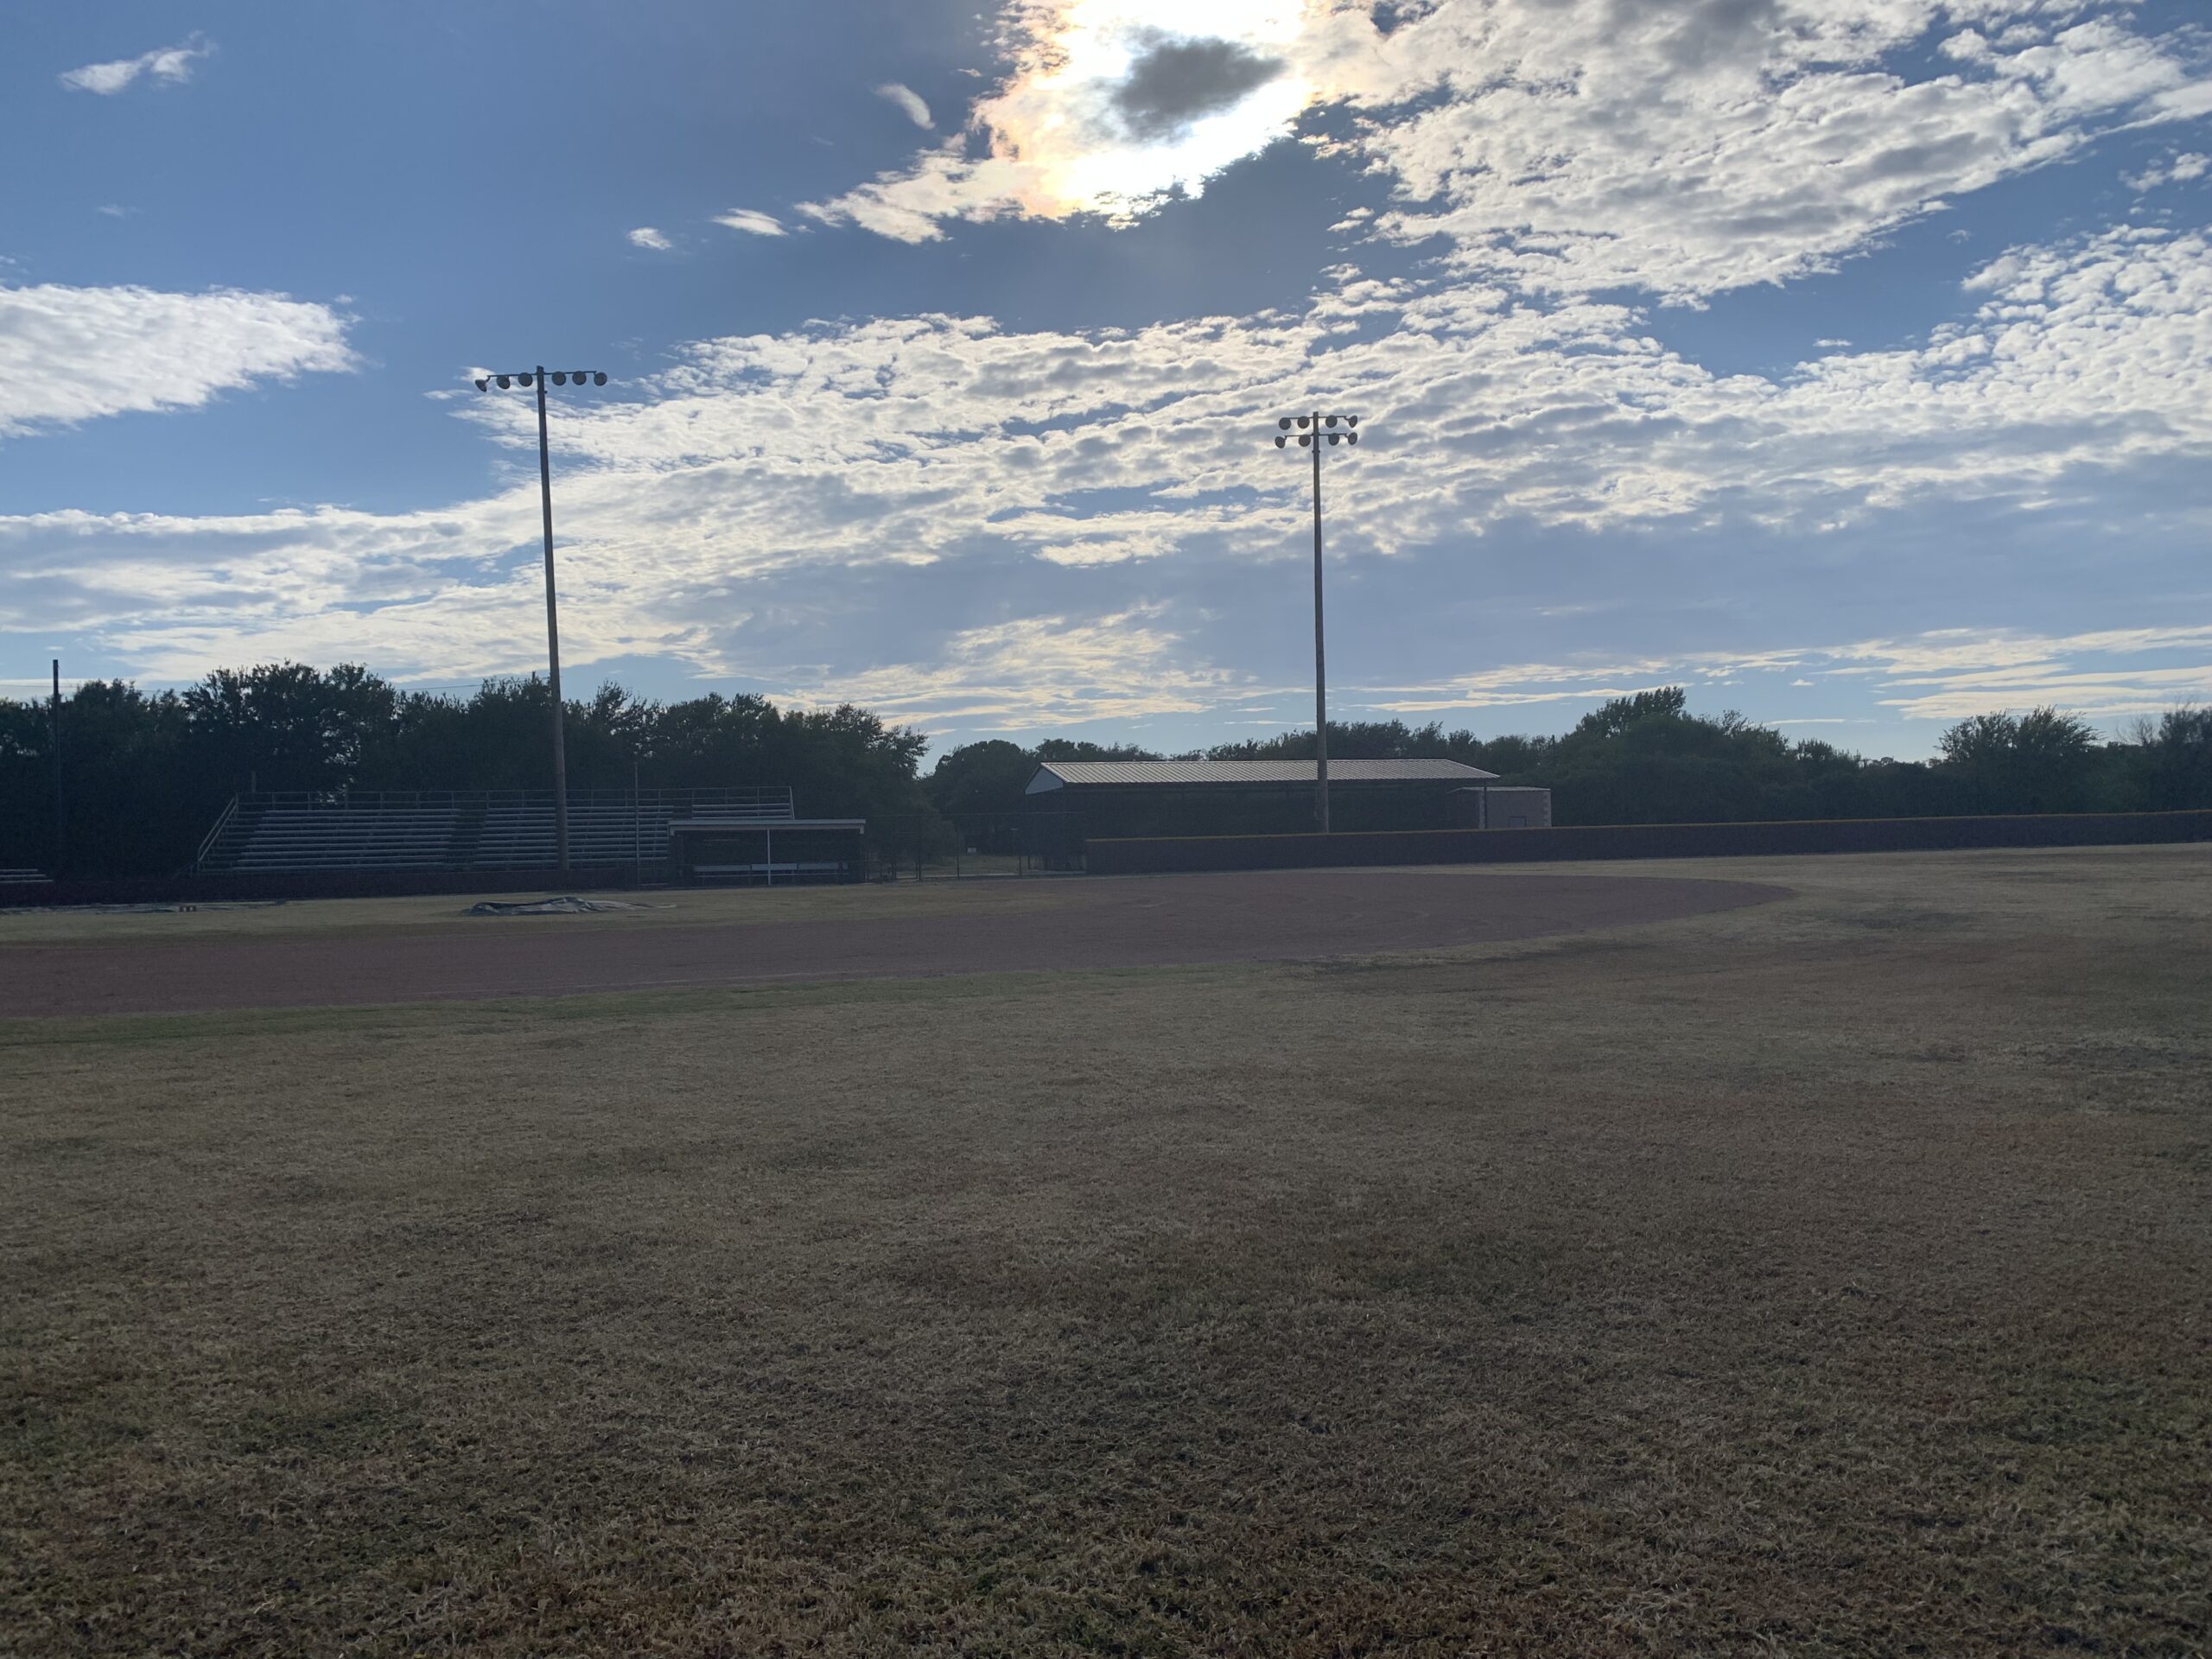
[(2036, 762), (986, 777), (1614, 718), (991, 777), (1366, 740), (1061, 749), (286, 726), (2172, 769)]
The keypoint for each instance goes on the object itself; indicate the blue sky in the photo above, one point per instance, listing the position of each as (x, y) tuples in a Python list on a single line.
[(1849, 361)]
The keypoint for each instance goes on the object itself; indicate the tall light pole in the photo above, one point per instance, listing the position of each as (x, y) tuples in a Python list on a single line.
[(538, 379), (1310, 431), (61, 810)]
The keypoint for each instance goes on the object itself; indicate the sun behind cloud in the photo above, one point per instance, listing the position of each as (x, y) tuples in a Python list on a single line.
[(1111, 107)]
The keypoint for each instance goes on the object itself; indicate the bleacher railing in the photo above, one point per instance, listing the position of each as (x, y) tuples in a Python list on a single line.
[(773, 804), (207, 845)]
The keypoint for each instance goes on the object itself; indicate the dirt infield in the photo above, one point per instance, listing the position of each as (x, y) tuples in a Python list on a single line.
[(1121, 923)]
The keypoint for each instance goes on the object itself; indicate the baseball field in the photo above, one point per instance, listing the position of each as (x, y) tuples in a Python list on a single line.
[(1747, 1256)]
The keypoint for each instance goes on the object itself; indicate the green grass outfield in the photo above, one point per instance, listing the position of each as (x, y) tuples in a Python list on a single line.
[(1830, 1276)]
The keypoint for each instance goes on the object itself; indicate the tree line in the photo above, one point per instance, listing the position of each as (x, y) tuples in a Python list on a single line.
[(145, 774), (1648, 759)]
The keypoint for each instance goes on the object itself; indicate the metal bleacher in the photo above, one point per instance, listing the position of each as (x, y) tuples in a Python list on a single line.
[(283, 834)]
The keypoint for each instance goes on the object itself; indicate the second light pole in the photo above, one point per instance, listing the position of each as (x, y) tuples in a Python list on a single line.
[(536, 377), (1311, 430)]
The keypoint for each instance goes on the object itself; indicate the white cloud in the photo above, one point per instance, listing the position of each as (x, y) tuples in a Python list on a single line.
[(1778, 136), (166, 63), (1951, 674), (646, 236), (76, 353), (1946, 675), (1040, 670), (2176, 169), (752, 223), (910, 207), (907, 99), (1681, 147)]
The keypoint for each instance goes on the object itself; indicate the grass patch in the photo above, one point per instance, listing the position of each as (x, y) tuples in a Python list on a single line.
[(1784, 1279), (339, 919)]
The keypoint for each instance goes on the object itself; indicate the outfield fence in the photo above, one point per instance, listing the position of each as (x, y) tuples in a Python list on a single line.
[(1046, 845), (1166, 853)]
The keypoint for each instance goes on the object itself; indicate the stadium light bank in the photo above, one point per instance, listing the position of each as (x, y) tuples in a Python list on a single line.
[(1310, 429), (535, 379)]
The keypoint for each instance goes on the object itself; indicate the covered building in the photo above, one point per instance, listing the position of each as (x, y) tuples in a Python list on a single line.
[(1251, 797)]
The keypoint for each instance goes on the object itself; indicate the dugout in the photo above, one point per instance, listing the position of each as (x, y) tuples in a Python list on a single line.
[(1120, 799), (768, 852)]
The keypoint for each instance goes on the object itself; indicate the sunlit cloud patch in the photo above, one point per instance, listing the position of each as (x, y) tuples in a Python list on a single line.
[(1111, 107)]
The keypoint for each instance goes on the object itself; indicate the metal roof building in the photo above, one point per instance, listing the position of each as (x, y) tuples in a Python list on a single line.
[(1247, 797), (1161, 774)]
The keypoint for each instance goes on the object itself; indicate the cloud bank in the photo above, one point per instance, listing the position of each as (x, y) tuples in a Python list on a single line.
[(1123, 466), (1560, 146)]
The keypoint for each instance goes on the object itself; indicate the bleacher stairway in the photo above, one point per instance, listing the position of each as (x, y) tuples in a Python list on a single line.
[(285, 834)]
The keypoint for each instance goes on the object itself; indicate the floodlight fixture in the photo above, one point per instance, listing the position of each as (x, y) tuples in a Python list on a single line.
[(1308, 428), (534, 380)]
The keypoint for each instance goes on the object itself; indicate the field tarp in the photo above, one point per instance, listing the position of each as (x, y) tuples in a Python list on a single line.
[(193, 887)]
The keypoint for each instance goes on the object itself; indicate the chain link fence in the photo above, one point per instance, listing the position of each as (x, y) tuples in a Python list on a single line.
[(974, 846)]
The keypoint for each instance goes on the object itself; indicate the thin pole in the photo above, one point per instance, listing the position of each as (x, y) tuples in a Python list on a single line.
[(61, 815), (1320, 652), (553, 639)]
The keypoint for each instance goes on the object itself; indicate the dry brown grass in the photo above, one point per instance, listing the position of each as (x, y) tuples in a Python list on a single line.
[(1824, 1278), (135, 925)]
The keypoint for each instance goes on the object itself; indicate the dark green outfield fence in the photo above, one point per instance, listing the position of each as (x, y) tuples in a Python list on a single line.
[(1164, 853), (1167, 853)]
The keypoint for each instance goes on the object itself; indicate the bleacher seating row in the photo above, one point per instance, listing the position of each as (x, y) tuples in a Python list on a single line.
[(276, 835)]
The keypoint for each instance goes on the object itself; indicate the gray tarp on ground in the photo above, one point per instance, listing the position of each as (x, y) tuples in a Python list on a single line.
[(570, 906)]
